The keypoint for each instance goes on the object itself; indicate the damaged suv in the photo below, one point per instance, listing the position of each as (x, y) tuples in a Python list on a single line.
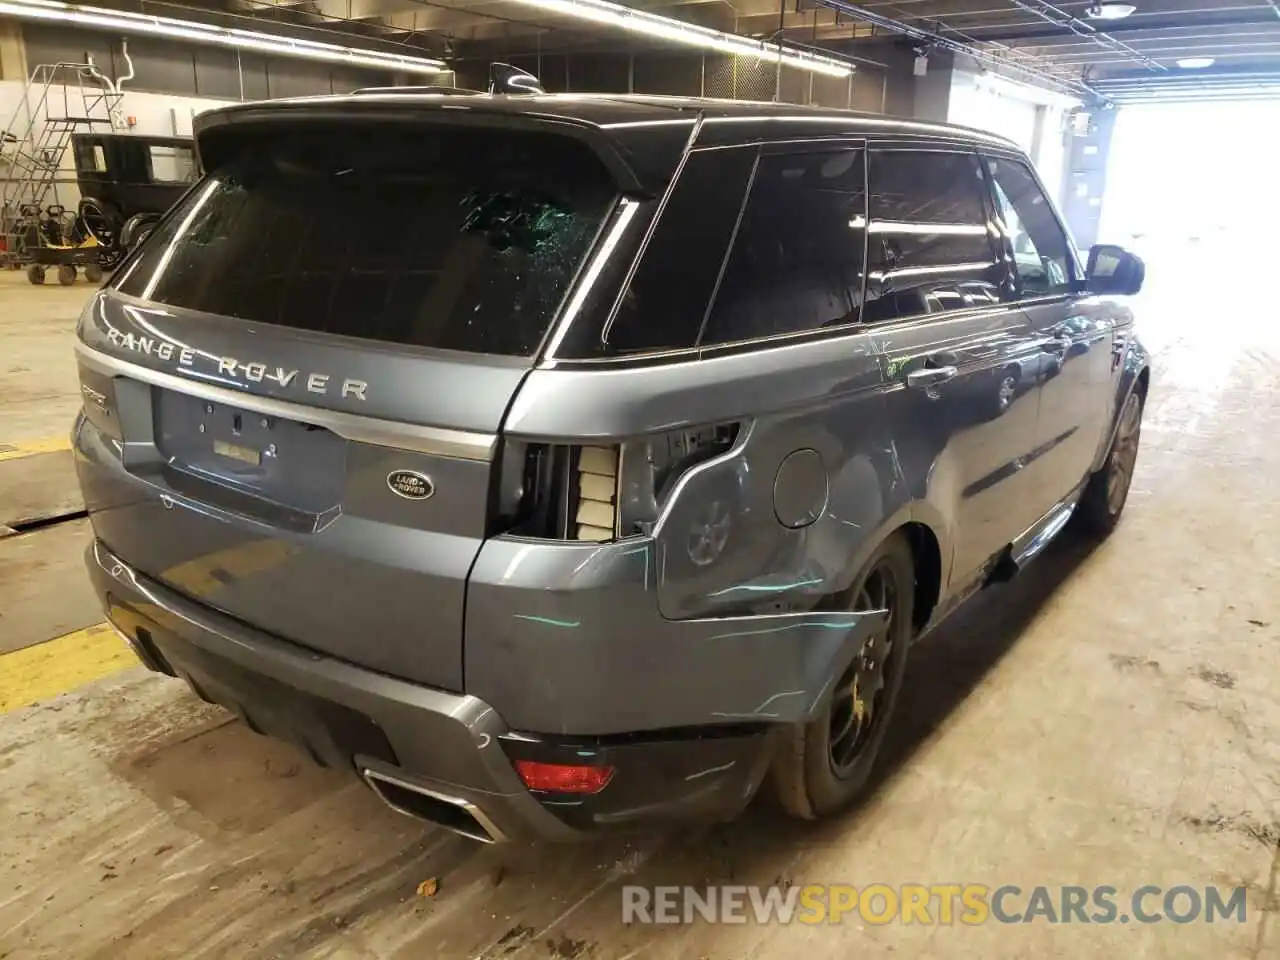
[(557, 463)]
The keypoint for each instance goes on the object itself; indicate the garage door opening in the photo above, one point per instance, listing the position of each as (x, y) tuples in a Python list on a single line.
[(1189, 173)]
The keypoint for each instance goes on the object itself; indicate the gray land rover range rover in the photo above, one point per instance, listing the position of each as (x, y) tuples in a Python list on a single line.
[(558, 463)]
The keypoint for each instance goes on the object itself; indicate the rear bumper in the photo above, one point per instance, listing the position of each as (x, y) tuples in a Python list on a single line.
[(444, 756)]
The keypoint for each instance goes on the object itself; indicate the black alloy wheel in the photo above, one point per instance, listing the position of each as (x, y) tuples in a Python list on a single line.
[(857, 705), (822, 766)]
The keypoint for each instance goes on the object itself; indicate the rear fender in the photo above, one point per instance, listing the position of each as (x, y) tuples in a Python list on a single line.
[(568, 638)]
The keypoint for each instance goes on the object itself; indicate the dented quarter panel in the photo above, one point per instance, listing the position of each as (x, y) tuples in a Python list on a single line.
[(569, 639), (826, 397)]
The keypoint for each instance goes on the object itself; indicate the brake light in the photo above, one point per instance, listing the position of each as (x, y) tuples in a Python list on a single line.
[(651, 466), (597, 493), (563, 778)]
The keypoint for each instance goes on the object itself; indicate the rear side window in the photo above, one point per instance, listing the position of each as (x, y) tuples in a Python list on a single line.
[(930, 248), (797, 259), (462, 239), (666, 302)]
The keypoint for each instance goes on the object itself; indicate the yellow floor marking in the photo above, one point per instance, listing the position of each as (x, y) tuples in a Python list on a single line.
[(47, 669), (29, 448)]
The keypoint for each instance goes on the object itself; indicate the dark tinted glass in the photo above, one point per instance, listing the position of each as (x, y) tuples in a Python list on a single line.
[(797, 258), (930, 248), (667, 300), (1040, 249), (460, 239)]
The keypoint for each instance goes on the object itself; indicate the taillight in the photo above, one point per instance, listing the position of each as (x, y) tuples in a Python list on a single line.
[(652, 466), (562, 777), (598, 493)]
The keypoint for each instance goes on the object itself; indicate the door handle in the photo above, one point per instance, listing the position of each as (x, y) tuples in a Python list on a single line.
[(930, 377)]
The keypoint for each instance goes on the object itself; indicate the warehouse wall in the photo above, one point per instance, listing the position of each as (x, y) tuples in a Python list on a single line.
[(169, 66), (173, 81), (13, 61), (153, 114), (890, 89)]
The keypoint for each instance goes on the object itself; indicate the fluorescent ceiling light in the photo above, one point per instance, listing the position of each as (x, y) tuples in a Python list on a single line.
[(1194, 63), (677, 31), (1109, 11), (1024, 91), (138, 23)]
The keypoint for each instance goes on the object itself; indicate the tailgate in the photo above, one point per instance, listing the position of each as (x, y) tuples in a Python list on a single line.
[(293, 391), (350, 535)]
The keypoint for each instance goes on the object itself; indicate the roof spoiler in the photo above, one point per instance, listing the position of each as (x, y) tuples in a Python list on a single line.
[(503, 79)]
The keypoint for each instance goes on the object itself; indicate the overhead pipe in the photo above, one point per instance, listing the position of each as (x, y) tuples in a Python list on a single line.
[(941, 40), (1047, 11), (128, 62)]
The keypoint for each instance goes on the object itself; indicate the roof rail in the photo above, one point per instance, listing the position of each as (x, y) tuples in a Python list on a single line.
[(447, 91)]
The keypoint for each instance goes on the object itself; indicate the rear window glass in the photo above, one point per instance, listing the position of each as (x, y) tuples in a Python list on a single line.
[(460, 239)]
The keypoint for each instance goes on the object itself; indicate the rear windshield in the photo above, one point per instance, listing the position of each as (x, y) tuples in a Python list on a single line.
[(462, 239)]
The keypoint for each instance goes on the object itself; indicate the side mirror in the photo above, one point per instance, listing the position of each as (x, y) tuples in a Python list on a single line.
[(136, 229), (1114, 270)]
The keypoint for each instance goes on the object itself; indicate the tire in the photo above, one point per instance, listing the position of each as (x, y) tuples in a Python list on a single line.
[(93, 273), (66, 274), (1107, 490), (810, 778), (35, 274)]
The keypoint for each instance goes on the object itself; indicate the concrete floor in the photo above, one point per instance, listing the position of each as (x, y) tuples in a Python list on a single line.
[(1112, 717)]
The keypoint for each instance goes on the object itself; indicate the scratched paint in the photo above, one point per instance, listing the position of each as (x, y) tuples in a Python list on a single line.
[(768, 587), (836, 622), (549, 621)]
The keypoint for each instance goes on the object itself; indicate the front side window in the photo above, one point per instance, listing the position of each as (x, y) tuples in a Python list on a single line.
[(430, 236), (1041, 253), (929, 248), (797, 258)]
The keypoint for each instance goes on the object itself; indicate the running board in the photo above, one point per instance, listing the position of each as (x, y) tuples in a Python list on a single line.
[(1031, 544)]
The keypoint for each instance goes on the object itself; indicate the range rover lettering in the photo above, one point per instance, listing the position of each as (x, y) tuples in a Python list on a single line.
[(565, 463)]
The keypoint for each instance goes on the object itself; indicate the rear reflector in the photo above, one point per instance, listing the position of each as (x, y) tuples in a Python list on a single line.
[(563, 778)]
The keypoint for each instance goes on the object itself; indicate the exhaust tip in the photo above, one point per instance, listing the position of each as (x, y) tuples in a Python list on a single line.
[(453, 814), (144, 648)]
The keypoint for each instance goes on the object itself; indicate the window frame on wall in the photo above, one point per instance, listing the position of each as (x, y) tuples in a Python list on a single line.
[(986, 200), (1074, 264)]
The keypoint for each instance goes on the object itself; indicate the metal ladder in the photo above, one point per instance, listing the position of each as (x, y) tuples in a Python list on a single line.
[(59, 100)]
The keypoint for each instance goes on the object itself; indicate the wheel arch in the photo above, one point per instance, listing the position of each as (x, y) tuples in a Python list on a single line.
[(926, 534), (1136, 377)]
